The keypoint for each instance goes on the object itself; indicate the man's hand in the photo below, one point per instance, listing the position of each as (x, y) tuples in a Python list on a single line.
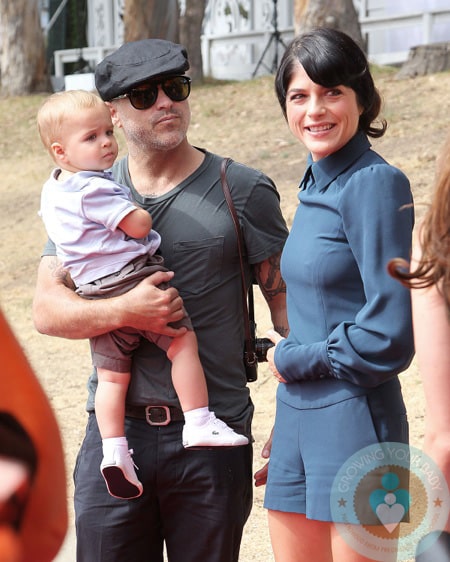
[(147, 307), (261, 474), (59, 311)]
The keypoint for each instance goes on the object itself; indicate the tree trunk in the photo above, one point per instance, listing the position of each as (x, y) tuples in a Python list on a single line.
[(426, 59), (151, 18), (190, 31), (23, 67), (338, 14)]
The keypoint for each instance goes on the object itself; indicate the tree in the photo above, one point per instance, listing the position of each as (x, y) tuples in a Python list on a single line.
[(191, 22), (22, 66), (162, 18), (151, 18), (338, 14)]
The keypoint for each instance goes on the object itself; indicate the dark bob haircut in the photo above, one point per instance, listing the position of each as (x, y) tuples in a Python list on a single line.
[(332, 58)]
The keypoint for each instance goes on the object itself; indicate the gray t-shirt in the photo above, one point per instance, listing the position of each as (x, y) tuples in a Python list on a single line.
[(198, 242)]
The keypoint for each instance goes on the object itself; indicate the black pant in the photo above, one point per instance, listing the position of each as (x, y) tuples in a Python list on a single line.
[(196, 501)]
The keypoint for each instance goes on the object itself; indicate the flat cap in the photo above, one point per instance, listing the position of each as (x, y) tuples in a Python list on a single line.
[(136, 62)]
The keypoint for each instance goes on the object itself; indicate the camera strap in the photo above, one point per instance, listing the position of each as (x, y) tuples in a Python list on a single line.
[(247, 295)]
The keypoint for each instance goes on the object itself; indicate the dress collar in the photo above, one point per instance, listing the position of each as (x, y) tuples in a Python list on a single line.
[(327, 169)]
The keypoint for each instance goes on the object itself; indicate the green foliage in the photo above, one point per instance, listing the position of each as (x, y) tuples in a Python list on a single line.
[(242, 11)]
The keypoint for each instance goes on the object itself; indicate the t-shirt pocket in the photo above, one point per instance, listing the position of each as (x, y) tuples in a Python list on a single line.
[(197, 264)]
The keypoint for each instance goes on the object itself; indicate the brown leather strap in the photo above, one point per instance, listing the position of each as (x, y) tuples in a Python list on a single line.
[(249, 321)]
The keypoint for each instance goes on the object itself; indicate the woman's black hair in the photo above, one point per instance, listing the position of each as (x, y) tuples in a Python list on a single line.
[(332, 58)]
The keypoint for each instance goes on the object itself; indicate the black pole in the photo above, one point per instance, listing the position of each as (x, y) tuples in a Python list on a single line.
[(274, 36)]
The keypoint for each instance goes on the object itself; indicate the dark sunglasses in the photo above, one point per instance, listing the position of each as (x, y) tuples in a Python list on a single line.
[(177, 88)]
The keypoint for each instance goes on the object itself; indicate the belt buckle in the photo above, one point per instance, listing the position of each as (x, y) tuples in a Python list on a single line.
[(157, 415)]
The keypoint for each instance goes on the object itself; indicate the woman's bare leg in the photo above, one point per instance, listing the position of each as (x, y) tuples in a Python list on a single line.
[(297, 539)]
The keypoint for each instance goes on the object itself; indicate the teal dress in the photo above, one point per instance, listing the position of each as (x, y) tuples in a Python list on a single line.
[(350, 322)]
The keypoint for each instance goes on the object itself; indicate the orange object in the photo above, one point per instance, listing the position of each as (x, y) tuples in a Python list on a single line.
[(44, 519)]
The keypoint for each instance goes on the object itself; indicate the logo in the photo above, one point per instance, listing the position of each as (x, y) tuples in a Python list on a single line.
[(386, 497)]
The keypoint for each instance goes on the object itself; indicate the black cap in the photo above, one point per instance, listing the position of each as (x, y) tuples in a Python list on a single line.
[(136, 62)]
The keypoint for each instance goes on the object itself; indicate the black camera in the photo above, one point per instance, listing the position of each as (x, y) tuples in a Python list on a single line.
[(261, 347), (254, 353)]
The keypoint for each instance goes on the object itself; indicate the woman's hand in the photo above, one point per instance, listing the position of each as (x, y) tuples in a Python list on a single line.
[(275, 338)]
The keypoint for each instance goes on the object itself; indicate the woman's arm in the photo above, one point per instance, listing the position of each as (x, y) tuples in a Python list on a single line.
[(59, 311), (432, 343), (372, 340)]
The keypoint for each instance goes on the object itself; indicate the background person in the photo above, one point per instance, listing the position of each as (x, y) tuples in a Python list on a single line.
[(33, 492), (350, 324), (428, 276), (18, 463), (196, 502), (107, 244)]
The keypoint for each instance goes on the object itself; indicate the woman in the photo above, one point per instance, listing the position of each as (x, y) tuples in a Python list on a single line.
[(429, 276), (350, 323)]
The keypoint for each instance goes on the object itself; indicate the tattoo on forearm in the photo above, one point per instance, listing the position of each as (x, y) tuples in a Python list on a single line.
[(60, 273), (272, 285)]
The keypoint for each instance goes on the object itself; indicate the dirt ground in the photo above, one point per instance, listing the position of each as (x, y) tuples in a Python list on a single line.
[(241, 120)]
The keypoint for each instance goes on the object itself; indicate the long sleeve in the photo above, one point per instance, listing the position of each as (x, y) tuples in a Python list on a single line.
[(349, 319)]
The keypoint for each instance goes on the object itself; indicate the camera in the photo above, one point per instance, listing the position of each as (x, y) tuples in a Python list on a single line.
[(261, 347), (255, 352)]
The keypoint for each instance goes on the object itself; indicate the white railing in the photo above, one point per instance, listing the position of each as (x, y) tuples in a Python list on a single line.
[(251, 45), (424, 25), (92, 55), (382, 32), (236, 54)]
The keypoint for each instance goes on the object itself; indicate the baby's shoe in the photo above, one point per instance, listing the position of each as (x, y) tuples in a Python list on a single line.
[(119, 474), (213, 433)]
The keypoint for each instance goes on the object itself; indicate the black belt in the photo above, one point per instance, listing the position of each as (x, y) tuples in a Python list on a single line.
[(155, 415)]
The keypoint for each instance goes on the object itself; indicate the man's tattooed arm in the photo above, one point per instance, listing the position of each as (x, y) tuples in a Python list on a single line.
[(59, 273), (273, 288)]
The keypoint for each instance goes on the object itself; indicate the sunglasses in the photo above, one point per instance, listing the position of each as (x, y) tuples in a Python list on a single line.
[(177, 88)]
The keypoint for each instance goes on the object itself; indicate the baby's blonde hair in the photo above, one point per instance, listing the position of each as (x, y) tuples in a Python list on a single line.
[(58, 107)]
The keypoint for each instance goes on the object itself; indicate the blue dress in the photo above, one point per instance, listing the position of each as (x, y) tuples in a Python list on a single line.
[(350, 322)]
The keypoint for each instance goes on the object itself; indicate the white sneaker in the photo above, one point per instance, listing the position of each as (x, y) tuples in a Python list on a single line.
[(120, 476), (214, 433)]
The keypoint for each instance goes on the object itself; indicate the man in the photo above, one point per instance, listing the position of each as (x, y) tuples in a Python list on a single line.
[(194, 501)]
